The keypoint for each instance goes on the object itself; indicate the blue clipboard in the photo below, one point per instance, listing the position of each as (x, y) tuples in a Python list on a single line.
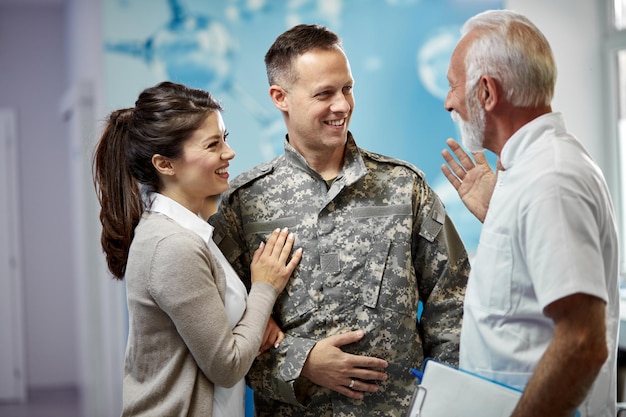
[(446, 391)]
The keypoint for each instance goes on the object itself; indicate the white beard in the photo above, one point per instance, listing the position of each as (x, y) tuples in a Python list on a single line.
[(472, 131)]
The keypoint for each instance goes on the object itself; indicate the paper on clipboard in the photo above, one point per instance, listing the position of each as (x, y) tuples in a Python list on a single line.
[(446, 391)]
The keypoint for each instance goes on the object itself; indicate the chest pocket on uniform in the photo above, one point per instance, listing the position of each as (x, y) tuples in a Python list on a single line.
[(386, 274), (374, 271)]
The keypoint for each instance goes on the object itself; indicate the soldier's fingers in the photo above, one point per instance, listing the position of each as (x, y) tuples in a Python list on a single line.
[(365, 367), (346, 338), (364, 386), (368, 373), (350, 393)]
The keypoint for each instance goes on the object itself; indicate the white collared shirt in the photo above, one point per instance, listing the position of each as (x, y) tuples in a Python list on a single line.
[(549, 233)]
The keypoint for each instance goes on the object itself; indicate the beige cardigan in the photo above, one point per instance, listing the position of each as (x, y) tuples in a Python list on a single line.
[(180, 342)]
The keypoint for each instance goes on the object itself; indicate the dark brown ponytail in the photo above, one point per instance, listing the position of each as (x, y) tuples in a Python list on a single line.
[(164, 117)]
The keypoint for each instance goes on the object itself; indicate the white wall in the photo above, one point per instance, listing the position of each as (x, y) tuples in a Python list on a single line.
[(573, 28), (33, 69), (100, 299), (50, 72)]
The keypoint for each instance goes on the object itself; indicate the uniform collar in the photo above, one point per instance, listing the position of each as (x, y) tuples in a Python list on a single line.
[(527, 135), (353, 165)]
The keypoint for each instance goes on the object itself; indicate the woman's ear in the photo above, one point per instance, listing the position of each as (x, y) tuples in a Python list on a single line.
[(162, 164), (279, 96)]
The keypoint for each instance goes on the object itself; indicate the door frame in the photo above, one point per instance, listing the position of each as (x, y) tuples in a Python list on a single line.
[(12, 360)]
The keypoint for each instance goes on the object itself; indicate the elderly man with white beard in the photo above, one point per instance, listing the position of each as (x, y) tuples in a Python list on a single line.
[(541, 310)]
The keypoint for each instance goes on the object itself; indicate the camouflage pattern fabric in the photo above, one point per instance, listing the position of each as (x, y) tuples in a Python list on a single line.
[(375, 242)]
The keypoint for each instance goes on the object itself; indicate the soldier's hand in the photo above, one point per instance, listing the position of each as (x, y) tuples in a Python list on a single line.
[(350, 375)]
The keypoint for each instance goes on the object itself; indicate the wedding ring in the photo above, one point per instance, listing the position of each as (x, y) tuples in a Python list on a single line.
[(351, 384)]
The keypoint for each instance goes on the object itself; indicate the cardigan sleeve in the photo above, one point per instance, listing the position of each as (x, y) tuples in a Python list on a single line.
[(183, 284)]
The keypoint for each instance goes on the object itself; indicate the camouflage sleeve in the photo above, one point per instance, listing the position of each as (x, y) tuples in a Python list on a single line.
[(228, 235), (442, 268), (275, 373)]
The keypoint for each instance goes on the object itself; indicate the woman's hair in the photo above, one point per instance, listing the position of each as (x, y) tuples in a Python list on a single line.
[(296, 41), (511, 49), (163, 118)]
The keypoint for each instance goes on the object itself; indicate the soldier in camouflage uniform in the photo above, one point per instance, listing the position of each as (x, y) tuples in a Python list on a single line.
[(376, 241)]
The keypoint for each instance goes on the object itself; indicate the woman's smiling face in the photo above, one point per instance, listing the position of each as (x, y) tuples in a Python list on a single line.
[(202, 170)]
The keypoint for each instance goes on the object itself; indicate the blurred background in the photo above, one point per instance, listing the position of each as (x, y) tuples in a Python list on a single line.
[(64, 64)]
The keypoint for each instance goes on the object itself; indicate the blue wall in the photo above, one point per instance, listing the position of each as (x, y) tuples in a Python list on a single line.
[(398, 51)]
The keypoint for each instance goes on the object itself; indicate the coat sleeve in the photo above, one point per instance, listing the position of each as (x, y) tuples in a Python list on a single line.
[(276, 371), (442, 268), (275, 374), (228, 236), (183, 284)]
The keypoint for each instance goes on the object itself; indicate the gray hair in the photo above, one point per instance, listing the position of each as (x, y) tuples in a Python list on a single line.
[(511, 49)]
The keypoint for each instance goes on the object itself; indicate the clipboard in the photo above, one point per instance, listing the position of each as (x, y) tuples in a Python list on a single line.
[(446, 391)]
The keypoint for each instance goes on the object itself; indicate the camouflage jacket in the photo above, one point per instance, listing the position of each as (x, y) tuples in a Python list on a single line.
[(375, 243)]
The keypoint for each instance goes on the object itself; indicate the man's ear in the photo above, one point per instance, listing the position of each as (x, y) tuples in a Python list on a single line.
[(279, 97), (488, 92), (162, 164)]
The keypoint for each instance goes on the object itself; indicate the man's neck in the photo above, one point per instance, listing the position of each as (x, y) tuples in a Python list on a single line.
[(326, 162)]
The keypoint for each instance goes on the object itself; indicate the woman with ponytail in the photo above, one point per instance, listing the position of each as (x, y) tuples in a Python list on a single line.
[(193, 328)]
